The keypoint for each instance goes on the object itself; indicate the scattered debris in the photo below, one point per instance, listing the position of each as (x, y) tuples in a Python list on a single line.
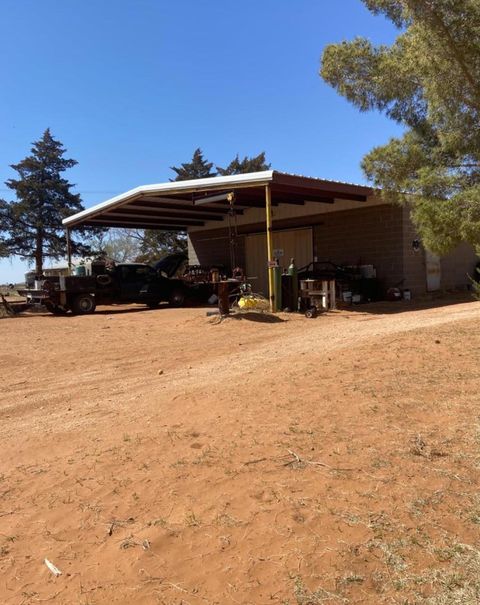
[(6, 309), (419, 447), (128, 543), (255, 461), (56, 572), (298, 462)]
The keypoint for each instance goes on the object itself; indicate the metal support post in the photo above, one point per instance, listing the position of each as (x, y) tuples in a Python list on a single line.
[(271, 260)]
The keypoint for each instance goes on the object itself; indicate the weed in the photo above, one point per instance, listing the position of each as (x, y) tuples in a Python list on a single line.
[(129, 542), (160, 522), (380, 463), (299, 431), (204, 458), (227, 520), (304, 596), (418, 446), (191, 520), (177, 463)]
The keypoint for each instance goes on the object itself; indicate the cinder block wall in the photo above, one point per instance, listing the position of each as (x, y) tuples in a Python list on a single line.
[(414, 267), (455, 267), (365, 236), (458, 266), (380, 235)]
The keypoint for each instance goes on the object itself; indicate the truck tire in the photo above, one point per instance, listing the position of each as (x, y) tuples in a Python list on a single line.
[(83, 304), (177, 298)]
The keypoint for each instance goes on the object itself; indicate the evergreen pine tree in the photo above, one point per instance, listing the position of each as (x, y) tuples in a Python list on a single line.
[(248, 164), (427, 81), (156, 244), (31, 226), (198, 168)]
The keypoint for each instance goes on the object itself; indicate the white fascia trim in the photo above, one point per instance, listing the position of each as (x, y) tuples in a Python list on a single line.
[(177, 186)]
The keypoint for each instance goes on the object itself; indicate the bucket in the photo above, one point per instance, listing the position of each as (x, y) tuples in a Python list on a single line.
[(407, 295)]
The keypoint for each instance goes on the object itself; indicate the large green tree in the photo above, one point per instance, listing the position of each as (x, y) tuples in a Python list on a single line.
[(428, 80), (248, 164), (155, 244), (118, 244), (197, 168), (31, 226)]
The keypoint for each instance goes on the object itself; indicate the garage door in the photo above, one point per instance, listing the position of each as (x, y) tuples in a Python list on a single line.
[(294, 243)]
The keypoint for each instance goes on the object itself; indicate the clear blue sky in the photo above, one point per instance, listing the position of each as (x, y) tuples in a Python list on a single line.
[(132, 87)]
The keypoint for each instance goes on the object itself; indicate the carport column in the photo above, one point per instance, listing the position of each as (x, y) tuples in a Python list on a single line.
[(268, 211), (69, 249)]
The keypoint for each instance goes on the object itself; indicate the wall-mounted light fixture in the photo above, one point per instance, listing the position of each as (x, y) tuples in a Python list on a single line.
[(221, 197)]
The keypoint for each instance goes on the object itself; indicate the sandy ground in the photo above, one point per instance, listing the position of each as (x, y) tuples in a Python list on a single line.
[(163, 457)]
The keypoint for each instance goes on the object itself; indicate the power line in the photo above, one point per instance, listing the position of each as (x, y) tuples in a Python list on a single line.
[(81, 192)]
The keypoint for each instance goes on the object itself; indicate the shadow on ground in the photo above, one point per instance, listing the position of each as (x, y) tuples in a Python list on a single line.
[(21, 309), (256, 316), (405, 306)]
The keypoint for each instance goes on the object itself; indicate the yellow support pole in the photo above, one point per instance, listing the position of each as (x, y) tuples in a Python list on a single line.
[(268, 212)]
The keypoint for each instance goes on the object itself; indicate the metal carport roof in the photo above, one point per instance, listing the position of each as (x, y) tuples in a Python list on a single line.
[(178, 205)]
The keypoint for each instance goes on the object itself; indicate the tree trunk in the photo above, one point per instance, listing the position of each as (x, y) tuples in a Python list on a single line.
[(39, 253)]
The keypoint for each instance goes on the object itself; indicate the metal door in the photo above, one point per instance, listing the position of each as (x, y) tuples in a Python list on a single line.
[(434, 271), (293, 243)]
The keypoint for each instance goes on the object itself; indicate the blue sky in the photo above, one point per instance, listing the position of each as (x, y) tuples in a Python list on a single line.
[(132, 87)]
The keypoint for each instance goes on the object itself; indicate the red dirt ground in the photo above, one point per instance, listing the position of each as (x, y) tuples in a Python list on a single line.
[(163, 457)]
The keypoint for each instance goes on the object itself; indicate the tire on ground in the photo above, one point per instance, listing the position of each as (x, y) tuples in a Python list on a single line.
[(83, 304)]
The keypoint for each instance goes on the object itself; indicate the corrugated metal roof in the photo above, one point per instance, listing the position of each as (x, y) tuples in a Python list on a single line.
[(171, 187), (319, 178), (159, 205)]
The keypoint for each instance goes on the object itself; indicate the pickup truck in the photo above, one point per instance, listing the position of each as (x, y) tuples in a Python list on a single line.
[(106, 285)]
